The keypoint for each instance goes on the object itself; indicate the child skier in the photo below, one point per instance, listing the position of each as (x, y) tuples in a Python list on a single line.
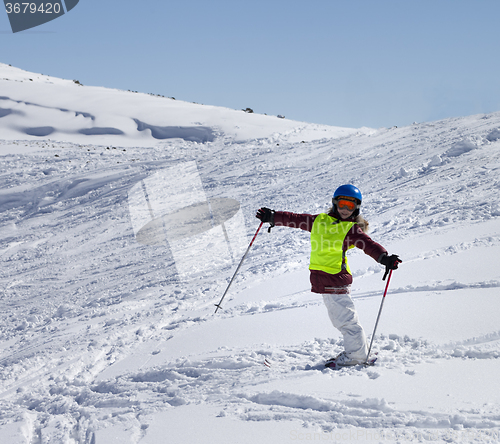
[(332, 234)]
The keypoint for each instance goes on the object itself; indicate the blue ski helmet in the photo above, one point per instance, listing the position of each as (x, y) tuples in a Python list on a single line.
[(348, 191)]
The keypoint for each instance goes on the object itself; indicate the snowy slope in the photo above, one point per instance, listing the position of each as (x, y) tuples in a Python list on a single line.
[(103, 341), (35, 105)]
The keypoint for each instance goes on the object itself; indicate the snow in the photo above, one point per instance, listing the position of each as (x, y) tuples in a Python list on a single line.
[(107, 324)]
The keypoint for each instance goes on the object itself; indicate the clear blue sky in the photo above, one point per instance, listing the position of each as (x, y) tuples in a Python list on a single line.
[(348, 63)]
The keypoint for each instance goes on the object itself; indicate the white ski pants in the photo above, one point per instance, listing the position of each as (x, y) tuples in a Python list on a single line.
[(344, 317)]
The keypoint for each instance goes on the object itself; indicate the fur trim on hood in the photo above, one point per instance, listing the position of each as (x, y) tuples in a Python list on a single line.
[(362, 223)]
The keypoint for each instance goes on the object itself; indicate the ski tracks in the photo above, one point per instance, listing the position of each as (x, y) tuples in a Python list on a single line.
[(69, 405), (399, 357), (240, 383)]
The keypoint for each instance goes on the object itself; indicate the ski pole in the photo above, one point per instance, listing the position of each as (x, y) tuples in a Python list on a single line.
[(237, 269), (378, 317)]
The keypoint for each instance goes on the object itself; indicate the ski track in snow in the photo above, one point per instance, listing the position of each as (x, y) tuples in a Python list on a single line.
[(79, 296)]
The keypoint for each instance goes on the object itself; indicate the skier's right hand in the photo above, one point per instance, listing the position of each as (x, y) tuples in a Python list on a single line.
[(265, 215)]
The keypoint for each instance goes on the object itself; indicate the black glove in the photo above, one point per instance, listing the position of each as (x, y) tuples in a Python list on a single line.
[(391, 263), (266, 215)]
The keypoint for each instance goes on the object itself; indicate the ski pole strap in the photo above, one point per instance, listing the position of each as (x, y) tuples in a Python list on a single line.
[(271, 222)]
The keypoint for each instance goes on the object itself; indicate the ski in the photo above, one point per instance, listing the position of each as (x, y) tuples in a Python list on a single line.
[(333, 365)]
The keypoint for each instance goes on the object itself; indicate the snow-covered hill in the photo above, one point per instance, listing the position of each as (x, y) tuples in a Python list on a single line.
[(104, 340), (34, 106)]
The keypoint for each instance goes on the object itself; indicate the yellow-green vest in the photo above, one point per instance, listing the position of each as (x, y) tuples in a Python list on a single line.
[(327, 238)]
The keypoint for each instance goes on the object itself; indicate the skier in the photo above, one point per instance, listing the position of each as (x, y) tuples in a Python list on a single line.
[(332, 234)]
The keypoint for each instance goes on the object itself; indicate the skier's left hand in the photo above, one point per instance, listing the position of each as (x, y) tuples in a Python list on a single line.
[(391, 263)]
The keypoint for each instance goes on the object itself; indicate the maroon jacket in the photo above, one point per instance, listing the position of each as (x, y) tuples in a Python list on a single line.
[(321, 281)]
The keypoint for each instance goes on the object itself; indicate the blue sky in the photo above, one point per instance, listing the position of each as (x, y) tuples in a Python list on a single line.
[(352, 63)]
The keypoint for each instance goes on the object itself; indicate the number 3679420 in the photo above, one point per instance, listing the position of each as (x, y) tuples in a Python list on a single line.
[(32, 8)]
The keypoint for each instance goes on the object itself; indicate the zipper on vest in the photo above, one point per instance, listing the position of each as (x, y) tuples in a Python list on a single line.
[(344, 263)]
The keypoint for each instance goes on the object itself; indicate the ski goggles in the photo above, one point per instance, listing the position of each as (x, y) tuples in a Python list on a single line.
[(343, 203)]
